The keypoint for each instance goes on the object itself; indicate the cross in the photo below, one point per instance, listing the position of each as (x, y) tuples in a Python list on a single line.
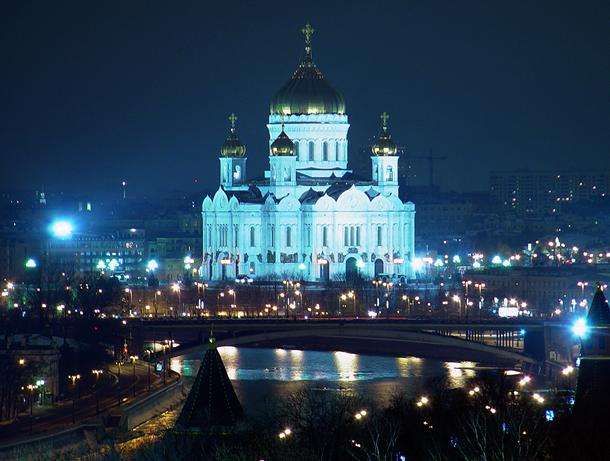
[(232, 119), (307, 32), (384, 119)]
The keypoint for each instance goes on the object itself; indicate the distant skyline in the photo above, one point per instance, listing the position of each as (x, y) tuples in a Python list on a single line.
[(94, 93)]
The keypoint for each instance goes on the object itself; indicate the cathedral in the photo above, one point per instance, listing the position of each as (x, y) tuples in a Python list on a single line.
[(310, 217)]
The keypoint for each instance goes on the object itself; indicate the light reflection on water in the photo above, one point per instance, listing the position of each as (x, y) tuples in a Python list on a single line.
[(253, 364)]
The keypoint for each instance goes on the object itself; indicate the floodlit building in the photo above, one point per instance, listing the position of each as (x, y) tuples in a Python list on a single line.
[(309, 217)]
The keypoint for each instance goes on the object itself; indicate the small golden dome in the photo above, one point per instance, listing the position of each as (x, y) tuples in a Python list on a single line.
[(232, 147), (384, 144), (282, 146)]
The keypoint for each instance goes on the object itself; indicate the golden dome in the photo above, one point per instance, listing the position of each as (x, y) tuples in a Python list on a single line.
[(232, 147), (282, 146), (307, 92), (384, 144)]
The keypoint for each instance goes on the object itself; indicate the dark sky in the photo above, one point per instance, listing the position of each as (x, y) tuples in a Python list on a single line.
[(94, 92)]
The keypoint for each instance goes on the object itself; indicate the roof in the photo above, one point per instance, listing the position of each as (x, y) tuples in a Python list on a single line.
[(252, 195), (212, 401), (599, 312)]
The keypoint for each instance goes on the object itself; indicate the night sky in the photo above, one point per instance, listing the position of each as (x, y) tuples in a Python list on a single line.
[(94, 92)]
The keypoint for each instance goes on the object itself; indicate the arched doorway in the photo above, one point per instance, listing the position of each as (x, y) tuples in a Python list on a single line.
[(324, 275), (351, 269), (378, 267)]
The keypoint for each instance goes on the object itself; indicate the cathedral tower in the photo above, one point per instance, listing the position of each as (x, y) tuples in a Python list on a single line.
[(282, 162), (313, 114), (385, 160), (232, 159)]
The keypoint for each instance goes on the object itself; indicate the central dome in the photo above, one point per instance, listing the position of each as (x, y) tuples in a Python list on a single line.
[(307, 92)]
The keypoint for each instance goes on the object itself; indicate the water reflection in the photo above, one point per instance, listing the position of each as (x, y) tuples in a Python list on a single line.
[(460, 372), (251, 364), (347, 365), (408, 366)]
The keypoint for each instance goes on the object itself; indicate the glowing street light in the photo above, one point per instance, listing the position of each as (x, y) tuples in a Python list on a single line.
[(31, 263), (580, 328), (152, 265), (62, 229)]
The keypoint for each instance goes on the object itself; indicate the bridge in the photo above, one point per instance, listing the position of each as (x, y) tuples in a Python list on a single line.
[(508, 341)]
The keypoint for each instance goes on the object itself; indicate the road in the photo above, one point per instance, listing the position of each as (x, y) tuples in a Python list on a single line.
[(70, 411)]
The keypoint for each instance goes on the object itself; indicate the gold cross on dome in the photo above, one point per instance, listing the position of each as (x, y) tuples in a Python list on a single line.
[(384, 119), (232, 119), (307, 32)]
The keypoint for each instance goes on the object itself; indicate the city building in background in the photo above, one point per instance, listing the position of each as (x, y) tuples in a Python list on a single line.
[(544, 192)]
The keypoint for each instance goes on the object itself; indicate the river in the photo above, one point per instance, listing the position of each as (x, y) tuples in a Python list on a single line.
[(260, 374)]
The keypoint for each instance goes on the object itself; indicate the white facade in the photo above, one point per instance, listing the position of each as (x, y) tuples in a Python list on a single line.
[(309, 217)]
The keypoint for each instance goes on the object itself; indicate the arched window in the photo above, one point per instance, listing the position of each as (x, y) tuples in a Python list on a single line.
[(289, 236), (345, 236), (324, 236), (337, 153), (325, 151), (379, 236), (311, 151), (358, 236), (390, 173), (252, 236), (351, 236), (236, 235)]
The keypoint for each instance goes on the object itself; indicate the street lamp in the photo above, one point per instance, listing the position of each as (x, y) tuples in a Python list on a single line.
[(97, 374), (176, 289), (582, 286), (134, 359), (75, 383), (152, 265), (62, 229), (234, 293), (31, 263)]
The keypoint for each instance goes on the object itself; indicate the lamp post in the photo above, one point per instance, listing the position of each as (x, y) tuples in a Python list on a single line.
[(134, 359), (220, 295), (234, 305), (130, 293), (76, 385), (351, 295), (118, 365), (176, 289), (342, 297), (582, 286), (97, 374)]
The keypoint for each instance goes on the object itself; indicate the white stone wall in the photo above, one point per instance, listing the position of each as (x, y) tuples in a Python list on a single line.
[(239, 238), (318, 130)]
